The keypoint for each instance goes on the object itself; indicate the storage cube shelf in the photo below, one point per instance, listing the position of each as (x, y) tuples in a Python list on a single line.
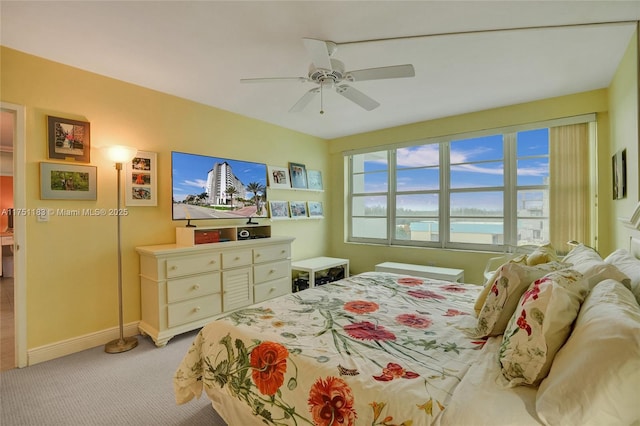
[(316, 270), (188, 237)]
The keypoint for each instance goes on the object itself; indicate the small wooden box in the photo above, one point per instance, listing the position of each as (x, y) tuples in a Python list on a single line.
[(206, 236)]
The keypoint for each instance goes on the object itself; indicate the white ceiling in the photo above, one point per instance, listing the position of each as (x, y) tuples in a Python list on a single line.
[(199, 50)]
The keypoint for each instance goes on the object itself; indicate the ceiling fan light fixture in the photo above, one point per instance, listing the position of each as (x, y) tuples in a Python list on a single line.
[(327, 72)]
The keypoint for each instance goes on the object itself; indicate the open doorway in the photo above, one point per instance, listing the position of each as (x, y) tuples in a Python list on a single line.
[(12, 236)]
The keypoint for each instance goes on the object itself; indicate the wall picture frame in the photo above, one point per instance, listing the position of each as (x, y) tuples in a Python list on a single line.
[(298, 209), (141, 180), (67, 182), (69, 139), (314, 180), (278, 177), (619, 170), (298, 174), (315, 209), (279, 209)]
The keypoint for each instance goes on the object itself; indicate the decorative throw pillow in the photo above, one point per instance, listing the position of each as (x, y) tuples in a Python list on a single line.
[(482, 297), (511, 280), (543, 254), (628, 265), (595, 377), (540, 325), (582, 258)]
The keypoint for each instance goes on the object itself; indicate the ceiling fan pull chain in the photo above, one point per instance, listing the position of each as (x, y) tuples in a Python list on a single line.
[(321, 98)]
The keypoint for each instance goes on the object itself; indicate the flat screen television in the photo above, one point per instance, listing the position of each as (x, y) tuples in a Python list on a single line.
[(206, 187)]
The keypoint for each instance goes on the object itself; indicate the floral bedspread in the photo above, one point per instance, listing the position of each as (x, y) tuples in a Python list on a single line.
[(373, 349)]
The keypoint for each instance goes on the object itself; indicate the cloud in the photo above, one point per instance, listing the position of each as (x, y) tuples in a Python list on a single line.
[(198, 183)]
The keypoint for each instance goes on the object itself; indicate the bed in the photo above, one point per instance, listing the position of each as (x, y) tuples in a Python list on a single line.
[(386, 349)]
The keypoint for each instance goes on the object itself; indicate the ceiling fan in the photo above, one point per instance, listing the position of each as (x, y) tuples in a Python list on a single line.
[(327, 72)]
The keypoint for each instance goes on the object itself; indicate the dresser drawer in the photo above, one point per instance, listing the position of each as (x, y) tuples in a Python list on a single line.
[(195, 286), (231, 259), (271, 271), (267, 254), (266, 291), (192, 310), (193, 265)]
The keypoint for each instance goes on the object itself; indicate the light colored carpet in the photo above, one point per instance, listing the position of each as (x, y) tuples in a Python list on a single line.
[(96, 388)]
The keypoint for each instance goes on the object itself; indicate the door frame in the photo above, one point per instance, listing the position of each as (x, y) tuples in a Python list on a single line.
[(20, 232)]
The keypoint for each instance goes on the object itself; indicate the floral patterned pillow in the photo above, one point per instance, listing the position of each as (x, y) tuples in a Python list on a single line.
[(540, 325), (509, 283)]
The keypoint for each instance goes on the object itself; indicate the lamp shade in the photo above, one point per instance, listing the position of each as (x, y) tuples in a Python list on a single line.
[(120, 153)]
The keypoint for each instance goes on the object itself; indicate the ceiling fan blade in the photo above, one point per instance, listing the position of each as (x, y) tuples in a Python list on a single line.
[(304, 100), (274, 80), (319, 53), (395, 71), (357, 96)]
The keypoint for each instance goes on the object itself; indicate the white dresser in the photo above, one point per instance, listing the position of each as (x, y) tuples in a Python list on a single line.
[(184, 288)]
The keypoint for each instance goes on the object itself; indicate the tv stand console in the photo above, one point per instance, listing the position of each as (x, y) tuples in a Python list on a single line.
[(186, 287)]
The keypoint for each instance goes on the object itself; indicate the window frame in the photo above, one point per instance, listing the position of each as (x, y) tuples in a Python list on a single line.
[(510, 186)]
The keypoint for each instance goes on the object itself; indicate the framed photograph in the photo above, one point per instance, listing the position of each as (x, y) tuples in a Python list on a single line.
[(278, 177), (315, 209), (619, 167), (314, 179), (67, 182), (298, 175), (141, 182), (298, 209), (279, 209), (69, 139)]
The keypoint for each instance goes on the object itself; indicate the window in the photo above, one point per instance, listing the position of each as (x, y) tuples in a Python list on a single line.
[(481, 191)]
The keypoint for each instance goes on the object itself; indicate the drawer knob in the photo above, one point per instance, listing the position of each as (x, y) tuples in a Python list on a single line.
[(237, 258), (272, 289), (196, 309), (257, 254), (272, 271), (173, 268), (196, 286), (213, 262)]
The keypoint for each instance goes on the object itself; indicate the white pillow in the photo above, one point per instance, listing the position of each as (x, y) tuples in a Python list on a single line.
[(603, 271), (595, 377), (582, 258), (628, 265)]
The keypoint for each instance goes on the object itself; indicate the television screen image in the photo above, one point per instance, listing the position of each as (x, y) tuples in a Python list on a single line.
[(206, 187)]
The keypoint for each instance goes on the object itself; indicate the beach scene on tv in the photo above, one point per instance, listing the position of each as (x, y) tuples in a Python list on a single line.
[(205, 187)]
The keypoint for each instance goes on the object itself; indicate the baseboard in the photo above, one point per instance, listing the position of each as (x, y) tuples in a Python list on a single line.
[(77, 344)]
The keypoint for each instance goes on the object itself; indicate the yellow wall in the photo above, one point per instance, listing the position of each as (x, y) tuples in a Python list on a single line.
[(71, 261), (624, 128), (364, 258)]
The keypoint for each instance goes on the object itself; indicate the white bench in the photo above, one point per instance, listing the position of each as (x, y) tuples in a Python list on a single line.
[(434, 272)]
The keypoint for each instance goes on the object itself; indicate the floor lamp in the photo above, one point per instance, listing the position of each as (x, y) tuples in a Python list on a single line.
[(120, 154)]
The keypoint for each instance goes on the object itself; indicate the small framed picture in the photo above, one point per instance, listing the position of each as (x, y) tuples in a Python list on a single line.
[(278, 177), (298, 209), (141, 182), (298, 175), (315, 209), (67, 182), (69, 139), (314, 179), (279, 209), (619, 167)]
